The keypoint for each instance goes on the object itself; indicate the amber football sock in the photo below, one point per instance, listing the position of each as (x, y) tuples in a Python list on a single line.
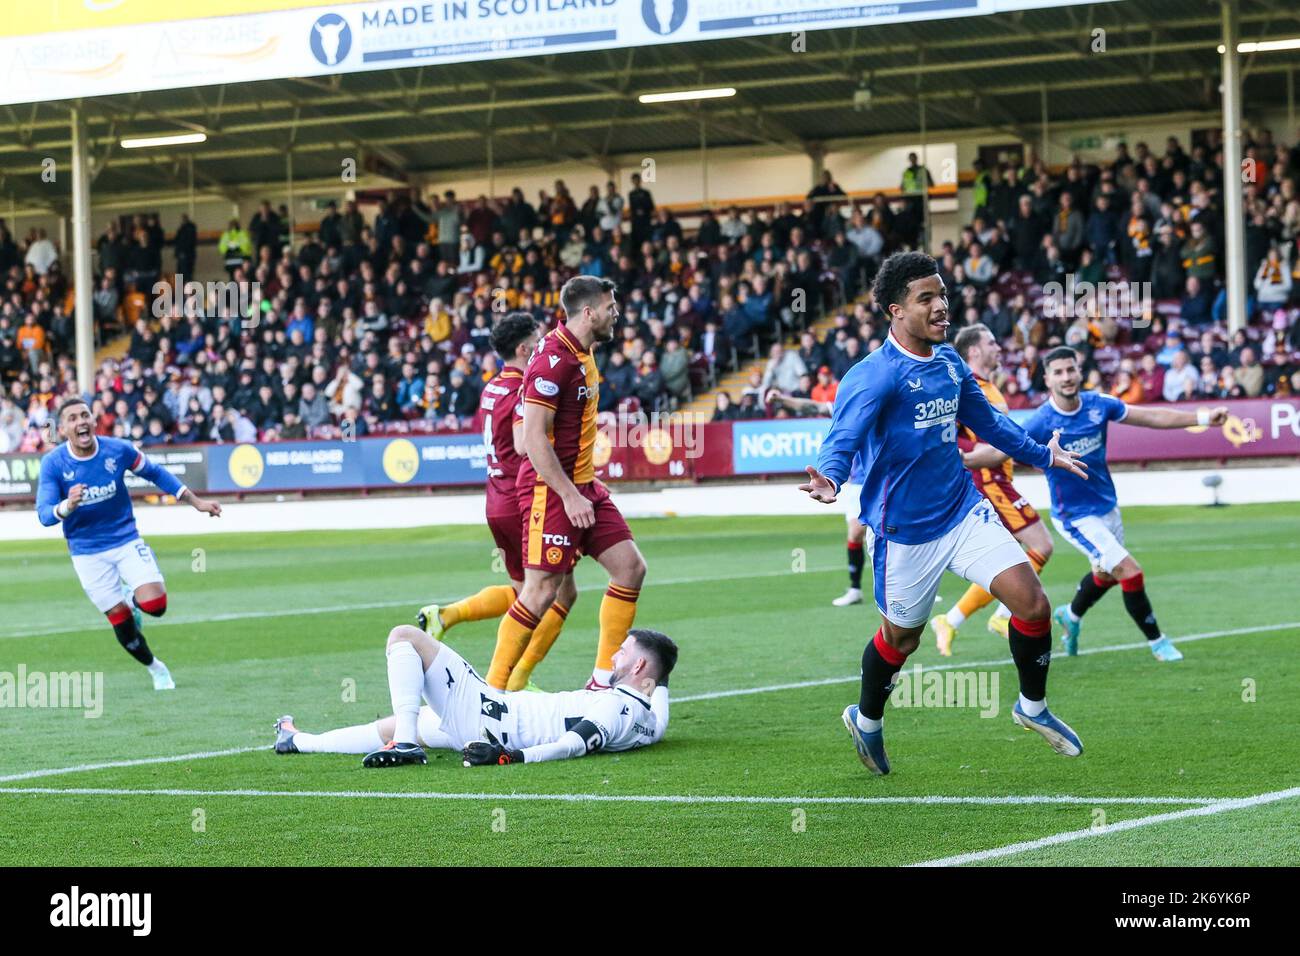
[(492, 601), (517, 626), (617, 612), (539, 644)]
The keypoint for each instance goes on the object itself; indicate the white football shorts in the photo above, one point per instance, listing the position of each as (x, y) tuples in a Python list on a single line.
[(461, 700), (102, 573), (907, 576), (1099, 537)]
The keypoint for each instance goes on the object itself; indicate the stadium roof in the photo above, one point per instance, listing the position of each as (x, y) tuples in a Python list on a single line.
[(979, 72)]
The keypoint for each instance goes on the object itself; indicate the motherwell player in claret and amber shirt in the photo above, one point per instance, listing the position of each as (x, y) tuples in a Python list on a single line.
[(514, 338), (979, 348), (569, 510)]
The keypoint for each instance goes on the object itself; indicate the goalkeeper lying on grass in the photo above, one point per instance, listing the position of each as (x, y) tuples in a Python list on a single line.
[(490, 726)]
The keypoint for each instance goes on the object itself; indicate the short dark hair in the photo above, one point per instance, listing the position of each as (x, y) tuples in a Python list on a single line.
[(510, 331), (1058, 353), (899, 271), (660, 647), (968, 337), (582, 291), (68, 403)]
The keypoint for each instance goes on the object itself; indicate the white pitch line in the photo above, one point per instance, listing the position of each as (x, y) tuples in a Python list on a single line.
[(622, 797), (965, 665), (1219, 806), (413, 603), (139, 762), (712, 695)]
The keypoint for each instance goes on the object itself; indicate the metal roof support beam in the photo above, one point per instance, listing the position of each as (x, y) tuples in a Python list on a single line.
[(1233, 207), (82, 277)]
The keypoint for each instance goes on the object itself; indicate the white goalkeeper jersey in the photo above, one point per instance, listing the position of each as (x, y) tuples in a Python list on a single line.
[(620, 718)]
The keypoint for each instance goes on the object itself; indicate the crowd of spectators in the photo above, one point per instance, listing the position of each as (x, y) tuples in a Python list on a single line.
[(1146, 224), (380, 323)]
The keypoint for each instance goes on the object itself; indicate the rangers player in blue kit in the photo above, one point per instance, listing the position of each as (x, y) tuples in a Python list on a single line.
[(899, 408), (1086, 514), (83, 485)]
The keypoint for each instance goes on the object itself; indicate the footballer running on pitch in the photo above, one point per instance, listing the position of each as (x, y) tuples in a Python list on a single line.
[(514, 338), (83, 485), (899, 409), (569, 512), (1087, 515)]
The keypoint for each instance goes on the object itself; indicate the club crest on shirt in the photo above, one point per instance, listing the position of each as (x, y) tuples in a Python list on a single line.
[(1095, 416), (110, 465), (952, 373)]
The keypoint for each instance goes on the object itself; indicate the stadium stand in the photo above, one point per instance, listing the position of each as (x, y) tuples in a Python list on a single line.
[(376, 321)]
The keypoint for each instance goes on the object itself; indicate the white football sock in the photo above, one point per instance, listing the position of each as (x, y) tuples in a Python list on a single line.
[(956, 618), (156, 666), (867, 725), (405, 682), (1069, 612), (1032, 707), (361, 739)]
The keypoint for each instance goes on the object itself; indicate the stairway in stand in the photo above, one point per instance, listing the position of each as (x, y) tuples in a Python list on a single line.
[(735, 382)]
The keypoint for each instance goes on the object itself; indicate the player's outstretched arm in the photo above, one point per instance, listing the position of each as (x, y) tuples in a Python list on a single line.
[(983, 455), (819, 487), (857, 405), (205, 505), (1065, 460), (975, 412), (800, 406), (1145, 416)]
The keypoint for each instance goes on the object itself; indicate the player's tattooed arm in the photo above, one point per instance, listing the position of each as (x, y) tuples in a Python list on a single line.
[(1147, 417), (983, 455), (205, 505), (800, 406)]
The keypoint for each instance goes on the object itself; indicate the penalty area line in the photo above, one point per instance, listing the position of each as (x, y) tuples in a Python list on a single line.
[(933, 800), (1219, 806)]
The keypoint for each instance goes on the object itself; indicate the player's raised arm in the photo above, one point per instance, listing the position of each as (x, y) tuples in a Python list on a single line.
[(857, 403), (975, 412), (1145, 416), (171, 485)]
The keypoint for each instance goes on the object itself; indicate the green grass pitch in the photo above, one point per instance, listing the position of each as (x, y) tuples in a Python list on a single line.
[(296, 623)]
